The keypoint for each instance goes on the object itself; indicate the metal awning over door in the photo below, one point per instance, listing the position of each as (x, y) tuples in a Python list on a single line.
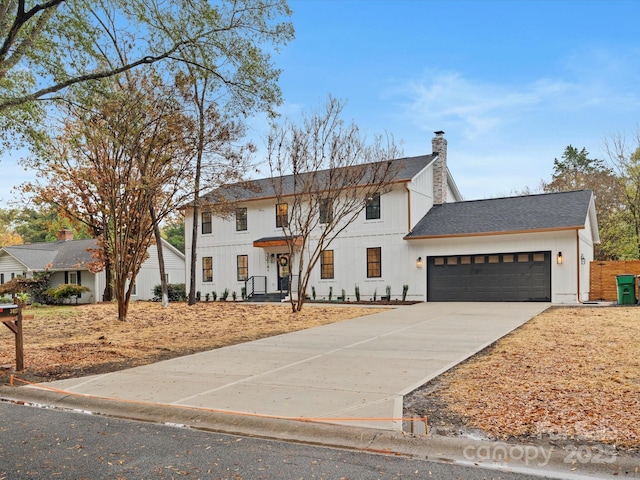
[(502, 277)]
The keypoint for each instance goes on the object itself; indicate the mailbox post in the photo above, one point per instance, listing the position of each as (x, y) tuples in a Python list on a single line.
[(11, 316)]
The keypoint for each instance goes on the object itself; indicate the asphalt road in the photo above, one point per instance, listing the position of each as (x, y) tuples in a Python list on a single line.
[(47, 443)]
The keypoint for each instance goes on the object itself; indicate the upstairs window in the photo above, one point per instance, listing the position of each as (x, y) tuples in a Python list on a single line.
[(326, 264), (326, 211), (373, 208), (282, 215), (206, 223), (241, 219)]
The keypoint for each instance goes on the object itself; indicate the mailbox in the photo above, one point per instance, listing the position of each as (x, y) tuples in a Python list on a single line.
[(8, 310)]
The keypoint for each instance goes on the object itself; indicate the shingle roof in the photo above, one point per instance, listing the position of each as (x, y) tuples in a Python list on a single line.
[(67, 255), (264, 188), (551, 211)]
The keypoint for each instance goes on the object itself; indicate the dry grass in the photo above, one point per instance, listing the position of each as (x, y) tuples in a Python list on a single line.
[(570, 372), (64, 342), (573, 372)]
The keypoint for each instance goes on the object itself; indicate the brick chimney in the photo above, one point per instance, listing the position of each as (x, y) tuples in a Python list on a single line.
[(439, 148), (65, 235)]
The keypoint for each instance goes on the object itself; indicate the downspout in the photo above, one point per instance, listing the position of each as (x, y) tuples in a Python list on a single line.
[(578, 263), (406, 185)]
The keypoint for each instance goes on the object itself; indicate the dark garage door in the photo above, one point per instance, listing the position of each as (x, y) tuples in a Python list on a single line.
[(506, 277)]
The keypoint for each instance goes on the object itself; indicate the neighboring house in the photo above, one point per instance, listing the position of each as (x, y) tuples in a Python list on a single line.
[(68, 261), (420, 233)]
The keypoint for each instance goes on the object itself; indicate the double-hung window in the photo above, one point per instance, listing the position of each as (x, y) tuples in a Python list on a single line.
[(326, 264), (207, 269), (373, 208), (374, 262), (206, 223), (241, 219), (326, 210), (282, 215), (242, 267)]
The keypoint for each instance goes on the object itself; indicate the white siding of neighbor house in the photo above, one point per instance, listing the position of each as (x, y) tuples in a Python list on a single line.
[(87, 279), (9, 265), (149, 275)]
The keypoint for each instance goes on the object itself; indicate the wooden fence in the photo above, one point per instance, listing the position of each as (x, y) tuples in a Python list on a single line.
[(603, 285)]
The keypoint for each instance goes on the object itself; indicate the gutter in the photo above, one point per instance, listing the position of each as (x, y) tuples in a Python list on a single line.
[(406, 185), (578, 265)]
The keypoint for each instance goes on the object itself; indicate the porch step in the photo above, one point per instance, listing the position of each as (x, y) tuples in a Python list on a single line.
[(267, 297)]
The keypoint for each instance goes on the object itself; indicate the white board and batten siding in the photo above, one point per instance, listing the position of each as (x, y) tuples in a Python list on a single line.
[(149, 274)]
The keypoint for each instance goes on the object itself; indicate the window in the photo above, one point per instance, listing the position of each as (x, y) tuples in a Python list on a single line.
[(374, 262), (282, 215), (373, 208), (241, 219), (326, 264), (326, 211), (207, 269), (73, 278), (206, 222), (243, 267), (1, 277)]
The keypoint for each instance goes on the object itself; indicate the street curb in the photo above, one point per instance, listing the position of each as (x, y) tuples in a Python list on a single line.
[(549, 461)]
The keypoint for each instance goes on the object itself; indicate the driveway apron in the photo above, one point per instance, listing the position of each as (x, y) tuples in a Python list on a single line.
[(354, 372)]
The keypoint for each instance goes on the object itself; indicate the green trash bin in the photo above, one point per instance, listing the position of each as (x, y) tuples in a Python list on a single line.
[(626, 289)]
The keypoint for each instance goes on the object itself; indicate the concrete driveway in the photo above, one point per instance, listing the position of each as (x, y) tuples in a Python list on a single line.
[(355, 372)]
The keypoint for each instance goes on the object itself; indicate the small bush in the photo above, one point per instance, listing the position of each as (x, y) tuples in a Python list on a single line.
[(234, 295), (225, 295), (177, 292), (330, 293), (63, 292), (405, 289), (313, 292), (243, 293), (214, 296), (357, 293)]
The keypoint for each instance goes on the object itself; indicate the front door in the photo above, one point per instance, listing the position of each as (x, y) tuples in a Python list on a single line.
[(283, 272)]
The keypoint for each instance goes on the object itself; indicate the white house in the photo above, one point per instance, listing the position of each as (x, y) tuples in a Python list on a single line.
[(68, 260), (420, 233)]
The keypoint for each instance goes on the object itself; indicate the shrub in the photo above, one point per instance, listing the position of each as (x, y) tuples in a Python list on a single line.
[(330, 293), (225, 295), (344, 295), (405, 289), (388, 290), (313, 292), (234, 295), (375, 294), (357, 293), (243, 293), (177, 292), (63, 292), (214, 296)]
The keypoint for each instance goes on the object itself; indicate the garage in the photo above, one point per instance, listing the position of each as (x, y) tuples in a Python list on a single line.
[(504, 277)]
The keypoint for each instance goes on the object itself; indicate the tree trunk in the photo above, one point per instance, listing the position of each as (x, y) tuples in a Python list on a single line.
[(163, 276), (196, 199)]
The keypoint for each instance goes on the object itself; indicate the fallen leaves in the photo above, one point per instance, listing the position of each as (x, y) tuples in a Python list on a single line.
[(573, 372)]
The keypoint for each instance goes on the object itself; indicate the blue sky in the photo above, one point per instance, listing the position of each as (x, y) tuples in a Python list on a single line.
[(512, 83)]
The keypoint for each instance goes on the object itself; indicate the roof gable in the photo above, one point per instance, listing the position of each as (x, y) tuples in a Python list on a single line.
[(551, 211)]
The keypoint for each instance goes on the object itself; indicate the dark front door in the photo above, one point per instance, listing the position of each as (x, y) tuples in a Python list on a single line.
[(283, 272), (504, 277)]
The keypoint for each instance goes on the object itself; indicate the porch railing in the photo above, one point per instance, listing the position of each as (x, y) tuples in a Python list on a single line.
[(256, 285)]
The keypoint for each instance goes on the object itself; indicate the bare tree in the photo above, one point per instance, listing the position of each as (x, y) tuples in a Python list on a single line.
[(326, 173)]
